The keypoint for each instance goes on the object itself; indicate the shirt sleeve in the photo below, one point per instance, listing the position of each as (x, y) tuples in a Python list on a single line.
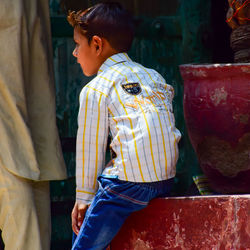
[(91, 144)]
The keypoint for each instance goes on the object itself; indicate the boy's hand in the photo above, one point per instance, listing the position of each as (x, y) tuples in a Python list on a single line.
[(77, 216)]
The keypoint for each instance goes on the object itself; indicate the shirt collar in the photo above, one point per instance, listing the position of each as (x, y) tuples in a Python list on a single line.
[(114, 59)]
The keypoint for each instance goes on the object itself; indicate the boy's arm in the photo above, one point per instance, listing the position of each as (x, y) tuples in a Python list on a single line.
[(92, 138)]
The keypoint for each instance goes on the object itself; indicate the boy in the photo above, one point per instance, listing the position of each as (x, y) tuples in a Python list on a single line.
[(134, 105)]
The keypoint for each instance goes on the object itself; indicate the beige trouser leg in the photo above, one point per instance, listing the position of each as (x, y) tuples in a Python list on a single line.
[(42, 201), (24, 213)]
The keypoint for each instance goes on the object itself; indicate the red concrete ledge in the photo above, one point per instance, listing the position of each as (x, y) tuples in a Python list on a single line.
[(197, 223)]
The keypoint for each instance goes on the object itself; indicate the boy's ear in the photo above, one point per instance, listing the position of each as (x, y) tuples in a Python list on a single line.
[(98, 44)]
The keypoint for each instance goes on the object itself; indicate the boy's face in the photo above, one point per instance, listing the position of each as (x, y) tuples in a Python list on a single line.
[(86, 54)]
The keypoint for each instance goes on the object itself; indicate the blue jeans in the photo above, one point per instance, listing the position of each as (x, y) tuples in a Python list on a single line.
[(114, 201)]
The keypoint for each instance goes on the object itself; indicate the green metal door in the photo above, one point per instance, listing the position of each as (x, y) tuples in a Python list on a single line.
[(169, 33)]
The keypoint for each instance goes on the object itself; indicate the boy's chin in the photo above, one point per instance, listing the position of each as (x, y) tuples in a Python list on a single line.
[(88, 73)]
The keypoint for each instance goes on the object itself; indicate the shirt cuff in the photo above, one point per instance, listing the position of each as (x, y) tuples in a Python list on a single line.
[(84, 197)]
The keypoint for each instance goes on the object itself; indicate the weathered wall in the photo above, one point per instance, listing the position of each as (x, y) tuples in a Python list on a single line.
[(191, 223)]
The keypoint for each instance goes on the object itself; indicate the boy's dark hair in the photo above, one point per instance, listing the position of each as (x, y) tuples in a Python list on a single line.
[(108, 20)]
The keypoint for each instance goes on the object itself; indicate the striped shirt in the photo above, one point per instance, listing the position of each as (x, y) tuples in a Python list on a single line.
[(134, 105)]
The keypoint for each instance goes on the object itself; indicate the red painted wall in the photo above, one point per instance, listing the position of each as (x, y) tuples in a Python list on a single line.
[(195, 223)]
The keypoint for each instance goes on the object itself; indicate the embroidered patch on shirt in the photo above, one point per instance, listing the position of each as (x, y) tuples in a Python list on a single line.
[(132, 88)]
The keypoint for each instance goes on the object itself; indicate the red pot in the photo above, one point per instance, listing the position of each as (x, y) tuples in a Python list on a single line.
[(217, 114)]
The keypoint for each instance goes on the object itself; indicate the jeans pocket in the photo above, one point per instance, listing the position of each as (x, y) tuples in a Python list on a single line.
[(129, 195)]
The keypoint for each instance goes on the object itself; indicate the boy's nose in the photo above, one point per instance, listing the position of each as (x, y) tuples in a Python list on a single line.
[(74, 53)]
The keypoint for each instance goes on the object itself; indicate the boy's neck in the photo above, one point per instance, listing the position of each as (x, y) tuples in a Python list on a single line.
[(108, 54)]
